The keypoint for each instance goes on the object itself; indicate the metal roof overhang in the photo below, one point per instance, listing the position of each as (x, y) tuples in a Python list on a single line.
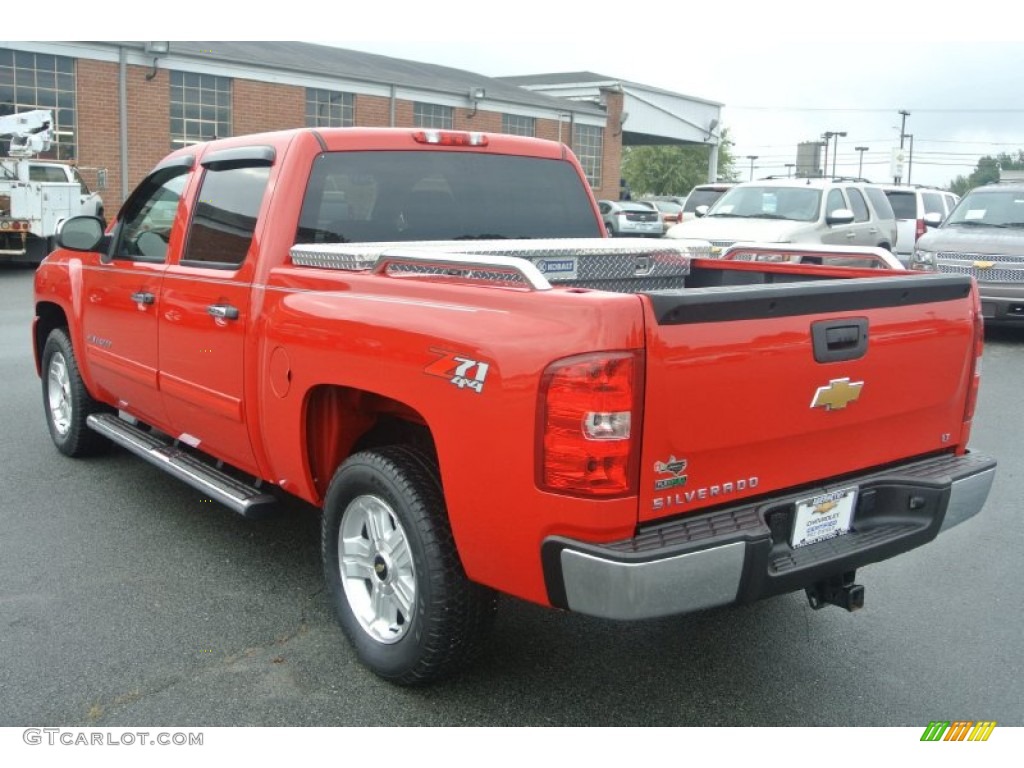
[(657, 117), (650, 115)]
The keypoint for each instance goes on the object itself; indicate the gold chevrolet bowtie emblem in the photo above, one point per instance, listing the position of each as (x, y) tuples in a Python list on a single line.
[(984, 264), (825, 507), (838, 394)]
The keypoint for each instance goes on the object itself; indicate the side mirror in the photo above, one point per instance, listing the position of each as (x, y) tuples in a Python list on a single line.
[(81, 233), (840, 216), (932, 219), (700, 211)]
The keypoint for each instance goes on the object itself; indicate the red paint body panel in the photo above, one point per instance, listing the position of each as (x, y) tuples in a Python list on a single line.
[(364, 339), (730, 397)]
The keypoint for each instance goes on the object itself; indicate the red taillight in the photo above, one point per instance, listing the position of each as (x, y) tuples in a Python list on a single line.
[(451, 138), (589, 424), (919, 229), (974, 383)]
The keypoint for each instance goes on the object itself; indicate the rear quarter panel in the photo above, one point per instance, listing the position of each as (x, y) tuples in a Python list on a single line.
[(386, 336)]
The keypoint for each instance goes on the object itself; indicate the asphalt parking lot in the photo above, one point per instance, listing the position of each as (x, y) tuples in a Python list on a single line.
[(126, 599)]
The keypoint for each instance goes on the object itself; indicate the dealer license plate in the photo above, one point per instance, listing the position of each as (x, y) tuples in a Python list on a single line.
[(823, 517)]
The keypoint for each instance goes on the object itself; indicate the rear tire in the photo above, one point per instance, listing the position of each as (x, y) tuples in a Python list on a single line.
[(66, 401), (392, 570)]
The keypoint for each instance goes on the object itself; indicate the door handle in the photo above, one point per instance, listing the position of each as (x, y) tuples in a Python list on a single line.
[(143, 297), (222, 311)]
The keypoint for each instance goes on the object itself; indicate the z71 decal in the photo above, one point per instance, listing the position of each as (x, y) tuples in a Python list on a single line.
[(460, 371)]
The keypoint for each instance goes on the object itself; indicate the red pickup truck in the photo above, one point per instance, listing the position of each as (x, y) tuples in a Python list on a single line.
[(425, 333)]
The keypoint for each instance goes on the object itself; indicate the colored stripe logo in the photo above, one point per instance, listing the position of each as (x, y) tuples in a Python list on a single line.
[(958, 730)]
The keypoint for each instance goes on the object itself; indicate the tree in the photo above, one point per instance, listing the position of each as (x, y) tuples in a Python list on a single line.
[(987, 171), (673, 169)]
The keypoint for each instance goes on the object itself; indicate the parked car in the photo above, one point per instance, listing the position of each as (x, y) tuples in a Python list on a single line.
[(677, 199), (671, 213), (983, 237), (703, 194), (911, 205), (628, 219), (827, 211)]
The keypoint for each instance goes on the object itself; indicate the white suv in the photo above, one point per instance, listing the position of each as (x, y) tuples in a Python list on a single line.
[(830, 211), (913, 206)]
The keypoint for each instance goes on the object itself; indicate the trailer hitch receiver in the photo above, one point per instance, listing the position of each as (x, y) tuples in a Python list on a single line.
[(837, 590)]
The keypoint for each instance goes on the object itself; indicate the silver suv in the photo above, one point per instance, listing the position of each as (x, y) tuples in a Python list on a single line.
[(830, 211), (983, 237)]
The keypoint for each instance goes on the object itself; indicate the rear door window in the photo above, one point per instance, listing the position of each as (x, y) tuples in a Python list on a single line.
[(225, 216), (904, 204), (47, 173)]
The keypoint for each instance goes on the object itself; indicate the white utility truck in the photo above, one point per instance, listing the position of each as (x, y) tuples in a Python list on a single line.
[(36, 195)]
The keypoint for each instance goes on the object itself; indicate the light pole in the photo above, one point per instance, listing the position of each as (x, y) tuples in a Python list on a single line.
[(903, 133), (835, 149), (752, 158), (910, 160), (826, 138), (789, 170), (860, 163)]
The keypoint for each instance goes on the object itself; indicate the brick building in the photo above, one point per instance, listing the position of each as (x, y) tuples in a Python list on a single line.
[(121, 106)]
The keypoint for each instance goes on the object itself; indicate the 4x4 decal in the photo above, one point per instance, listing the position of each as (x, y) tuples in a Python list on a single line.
[(461, 371)]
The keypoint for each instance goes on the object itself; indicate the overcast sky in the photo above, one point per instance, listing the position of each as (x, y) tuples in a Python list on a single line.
[(785, 70), (963, 97)]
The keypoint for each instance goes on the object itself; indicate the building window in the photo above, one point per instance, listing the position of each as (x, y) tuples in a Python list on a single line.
[(200, 108), (431, 116), (329, 109), (588, 144), (518, 125), (39, 81)]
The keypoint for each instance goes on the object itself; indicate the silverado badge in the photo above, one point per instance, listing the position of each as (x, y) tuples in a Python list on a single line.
[(672, 467), (838, 394)]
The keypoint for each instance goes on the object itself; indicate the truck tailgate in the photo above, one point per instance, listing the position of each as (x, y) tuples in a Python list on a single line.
[(752, 389)]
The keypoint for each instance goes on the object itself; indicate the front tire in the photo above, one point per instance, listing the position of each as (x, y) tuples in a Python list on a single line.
[(392, 570), (66, 401)]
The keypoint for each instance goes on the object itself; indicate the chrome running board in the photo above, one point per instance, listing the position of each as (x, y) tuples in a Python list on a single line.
[(236, 495)]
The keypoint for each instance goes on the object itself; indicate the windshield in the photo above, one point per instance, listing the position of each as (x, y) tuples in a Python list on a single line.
[(81, 181), (757, 202), (990, 208), (358, 197)]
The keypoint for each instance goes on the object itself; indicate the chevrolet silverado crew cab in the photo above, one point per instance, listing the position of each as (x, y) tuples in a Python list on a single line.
[(426, 334)]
